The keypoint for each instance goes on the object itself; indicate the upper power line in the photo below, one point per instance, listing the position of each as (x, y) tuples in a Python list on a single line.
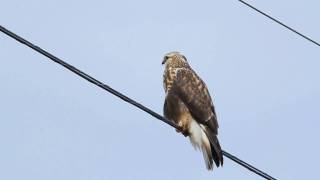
[(279, 22)]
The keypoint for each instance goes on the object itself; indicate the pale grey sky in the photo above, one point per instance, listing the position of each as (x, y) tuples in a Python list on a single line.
[(264, 80)]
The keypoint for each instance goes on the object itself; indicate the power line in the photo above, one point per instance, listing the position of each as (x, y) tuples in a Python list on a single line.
[(120, 95), (248, 166), (279, 22)]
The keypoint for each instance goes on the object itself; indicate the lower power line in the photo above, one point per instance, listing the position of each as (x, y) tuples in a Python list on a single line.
[(120, 95)]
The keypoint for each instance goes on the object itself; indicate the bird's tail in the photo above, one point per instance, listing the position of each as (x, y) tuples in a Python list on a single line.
[(202, 138), (215, 147)]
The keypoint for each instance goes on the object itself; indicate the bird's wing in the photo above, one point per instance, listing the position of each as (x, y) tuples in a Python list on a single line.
[(193, 92), (170, 109)]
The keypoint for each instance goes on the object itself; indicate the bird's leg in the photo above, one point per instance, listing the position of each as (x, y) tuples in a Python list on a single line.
[(183, 128), (180, 127)]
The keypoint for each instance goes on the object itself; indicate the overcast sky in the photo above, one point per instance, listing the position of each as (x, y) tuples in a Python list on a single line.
[(263, 78)]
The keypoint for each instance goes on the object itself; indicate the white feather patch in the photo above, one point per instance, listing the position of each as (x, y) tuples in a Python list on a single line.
[(195, 134), (199, 140)]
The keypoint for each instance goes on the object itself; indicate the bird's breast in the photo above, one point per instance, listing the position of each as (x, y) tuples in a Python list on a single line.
[(168, 78)]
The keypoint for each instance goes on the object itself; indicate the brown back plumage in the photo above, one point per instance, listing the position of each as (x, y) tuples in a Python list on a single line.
[(188, 99)]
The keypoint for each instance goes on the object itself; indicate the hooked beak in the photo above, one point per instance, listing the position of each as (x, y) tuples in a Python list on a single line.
[(164, 61)]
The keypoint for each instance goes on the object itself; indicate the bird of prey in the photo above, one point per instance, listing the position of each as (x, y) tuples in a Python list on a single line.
[(189, 105)]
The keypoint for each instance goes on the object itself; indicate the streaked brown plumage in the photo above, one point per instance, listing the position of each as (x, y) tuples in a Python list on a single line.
[(188, 104)]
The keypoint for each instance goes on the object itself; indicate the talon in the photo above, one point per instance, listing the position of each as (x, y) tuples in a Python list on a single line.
[(185, 133)]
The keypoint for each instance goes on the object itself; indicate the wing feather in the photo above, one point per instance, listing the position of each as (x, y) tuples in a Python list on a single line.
[(189, 87)]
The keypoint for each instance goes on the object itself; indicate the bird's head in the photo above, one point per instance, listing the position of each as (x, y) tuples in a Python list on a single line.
[(175, 60)]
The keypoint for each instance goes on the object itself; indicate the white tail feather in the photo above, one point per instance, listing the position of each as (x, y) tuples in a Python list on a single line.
[(199, 140)]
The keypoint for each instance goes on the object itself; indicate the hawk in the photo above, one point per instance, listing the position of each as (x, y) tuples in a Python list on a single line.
[(189, 105)]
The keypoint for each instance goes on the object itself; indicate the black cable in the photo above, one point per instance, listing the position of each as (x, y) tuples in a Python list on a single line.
[(248, 166), (85, 76), (120, 95), (279, 22)]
